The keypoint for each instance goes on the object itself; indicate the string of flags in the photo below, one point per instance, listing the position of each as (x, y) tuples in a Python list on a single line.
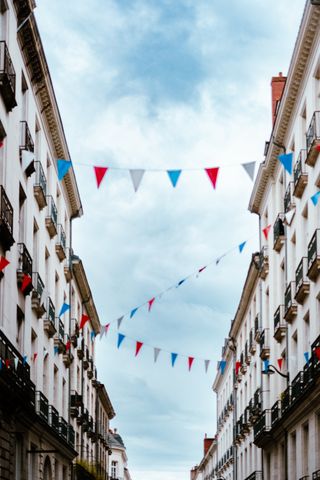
[(136, 174)]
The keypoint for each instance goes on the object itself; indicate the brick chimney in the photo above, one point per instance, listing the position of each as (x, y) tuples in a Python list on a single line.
[(207, 442), (277, 87)]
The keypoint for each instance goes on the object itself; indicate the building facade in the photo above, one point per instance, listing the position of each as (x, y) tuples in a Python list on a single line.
[(54, 413), (118, 468), (206, 470)]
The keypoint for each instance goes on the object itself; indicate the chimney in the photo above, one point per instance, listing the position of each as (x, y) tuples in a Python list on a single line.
[(207, 442), (277, 87)]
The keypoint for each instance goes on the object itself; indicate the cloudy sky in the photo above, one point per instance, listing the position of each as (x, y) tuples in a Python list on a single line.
[(165, 84)]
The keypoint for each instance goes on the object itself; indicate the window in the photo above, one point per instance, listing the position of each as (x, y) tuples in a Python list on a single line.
[(114, 469), (20, 329), (305, 449), (22, 214)]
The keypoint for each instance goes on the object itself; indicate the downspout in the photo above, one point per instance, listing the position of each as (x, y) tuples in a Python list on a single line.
[(260, 326), (287, 337), (235, 448)]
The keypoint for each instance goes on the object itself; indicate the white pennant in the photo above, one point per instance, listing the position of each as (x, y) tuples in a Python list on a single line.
[(119, 321), (249, 168), (156, 352), (16, 361), (27, 159), (102, 332), (289, 216), (206, 365), (136, 177)]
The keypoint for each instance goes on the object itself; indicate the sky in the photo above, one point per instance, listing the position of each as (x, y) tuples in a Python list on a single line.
[(166, 84)]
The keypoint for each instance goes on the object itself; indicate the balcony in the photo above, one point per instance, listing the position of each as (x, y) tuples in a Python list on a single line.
[(290, 305), (314, 256), (49, 321), (261, 429), (54, 418), (90, 370), (257, 330), (238, 430), (265, 344), (278, 233), (67, 359), (26, 143), (71, 436), (91, 430), (313, 139), (316, 357), (300, 176), (316, 475), (68, 265), (61, 243), (289, 198), (75, 403), (285, 399), (85, 420), (247, 356), (52, 217), (6, 221), (243, 366), (85, 361), (59, 336), (257, 475), (42, 406), (256, 406), (24, 268), (302, 281), (74, 332), (63, 428), (40, 186), (275, 412), (37, 300), (305, 477), (252, 342), (80, 350), (280, 326), (15, 384), (297, 387), (7, 78), (264, 263)]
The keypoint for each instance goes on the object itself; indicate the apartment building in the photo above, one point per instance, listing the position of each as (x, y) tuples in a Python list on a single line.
[(206, 468), (53, 410), (118, 469)]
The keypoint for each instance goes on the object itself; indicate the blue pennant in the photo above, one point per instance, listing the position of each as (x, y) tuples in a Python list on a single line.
[(55, 350), (241, 246), (286, 160), (92, 334), (133, 312), (63, 167), (65, 307), (306, 356), (315, 198), (120, 339), (181, 282), (222, 366), (173, 358), (174, 176), (265, 365)]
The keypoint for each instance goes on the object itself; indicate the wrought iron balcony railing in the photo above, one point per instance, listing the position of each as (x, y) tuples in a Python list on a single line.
[(289, 202), (265, 344), (54, 418), (40, 186), (264, 263), (280, 326), (37, 297), (314, 256), (7, 78), (302, 281), (312, 139), (300, 176), (61, 243), (24, 268), (278, 233), (52, 217), (42, 406), (290, 304), (49, 321), (6, 221), (63, 428)]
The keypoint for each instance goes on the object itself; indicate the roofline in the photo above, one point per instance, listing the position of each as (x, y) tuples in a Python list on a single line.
[(209, 453), (304, 44), (85, 291), (105, 400)]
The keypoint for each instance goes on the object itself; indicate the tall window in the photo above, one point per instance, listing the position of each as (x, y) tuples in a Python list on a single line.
[(24, 98), (114, 469), (305, 448), (22, 214), (20, 330), (293, 455)]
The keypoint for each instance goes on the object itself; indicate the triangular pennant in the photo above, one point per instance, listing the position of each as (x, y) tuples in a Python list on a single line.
[(100, 173), (286, 160), (25, 282), (92, 335), (206, 365), (181, 282), (68, 345), (150, 303), (120, 339), (16, 362), (238, 365), (7, 362), (26, 159), (63, 167), (136, 177), (174, 176), (173, 358), (249, 168), (266, 231), (190, 362), (1, 143), (289, 216), (65, 307), (307, 357), (83, 321), (55, 350), (280, 361), (3, 263), (133, 312), (102, 332), (317, 147), (35, 357), (213, 175), (241, 246), (315, 198), (265, 365), (317, 352), (138, 347), (201, 269), (106, 328), (222, 366), (156, 352), (24, 360)]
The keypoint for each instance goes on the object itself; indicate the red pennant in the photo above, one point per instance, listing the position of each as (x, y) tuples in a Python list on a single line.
[(1, 144), (238, 365), (68, 345), (84, 320), (266, 231), (317, 147), (190, 362), (7, 362), (150, 303), (138, 347), (100, 173), (35, 357), (25, 282), (280, 360), (317, 352), (213, 175), (3, 263), (201, 269), (107, 328)]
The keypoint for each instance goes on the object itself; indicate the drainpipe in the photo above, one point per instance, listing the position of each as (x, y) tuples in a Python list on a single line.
[(260, 326)]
